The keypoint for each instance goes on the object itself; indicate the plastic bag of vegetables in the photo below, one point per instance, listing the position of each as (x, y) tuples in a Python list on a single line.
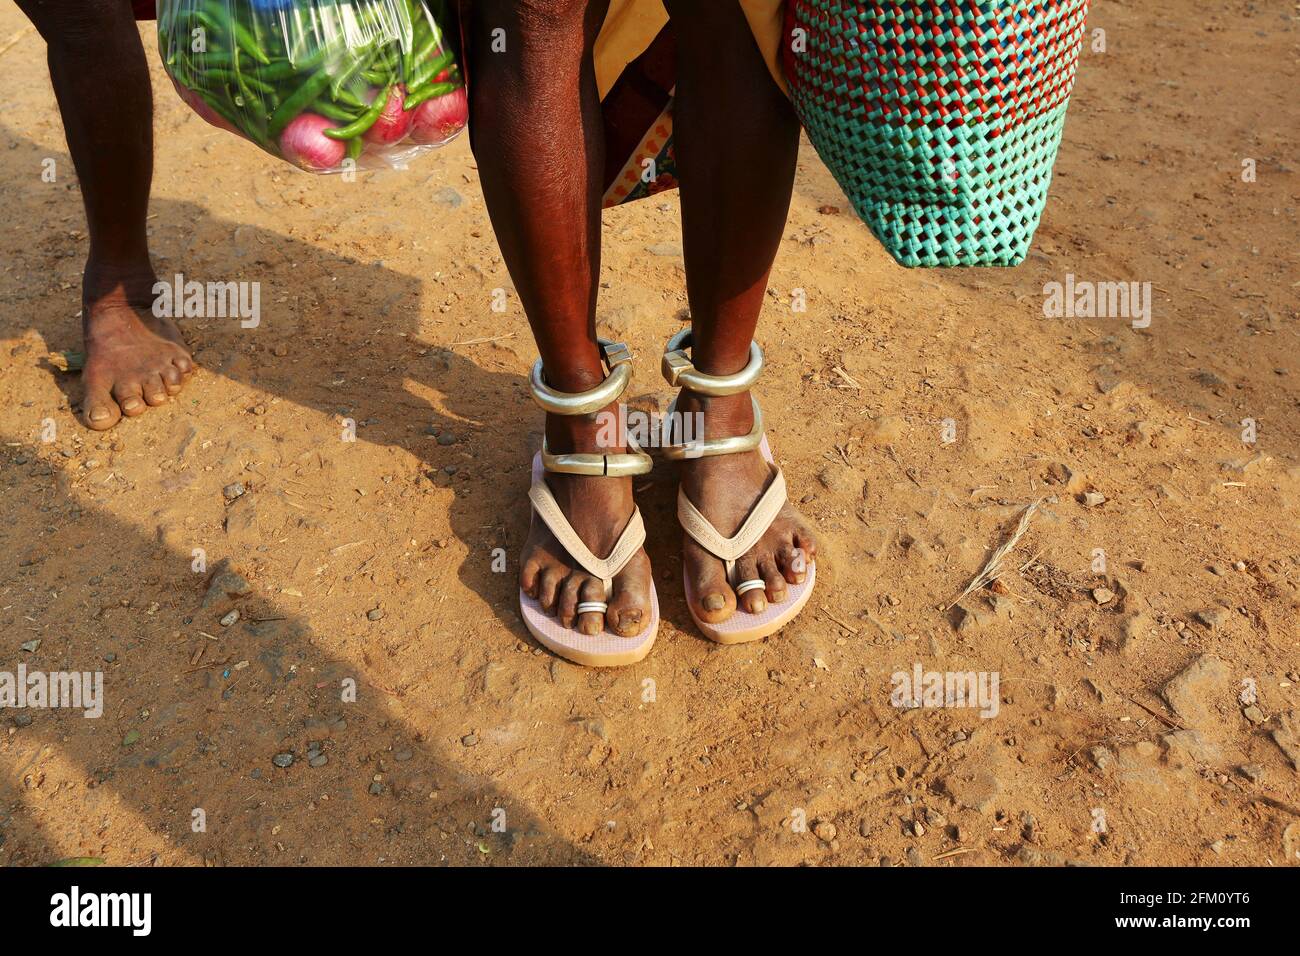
[(329, 85)]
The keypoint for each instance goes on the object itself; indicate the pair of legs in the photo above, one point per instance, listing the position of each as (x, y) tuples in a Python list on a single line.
[(536, 132), (101, 79)]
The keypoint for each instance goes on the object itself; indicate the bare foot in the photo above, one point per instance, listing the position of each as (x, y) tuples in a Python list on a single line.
[(599, 509), (133, 358), (725, 488)]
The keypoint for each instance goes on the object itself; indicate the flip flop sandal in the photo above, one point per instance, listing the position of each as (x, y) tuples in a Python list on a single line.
[(606, 649), (742, 626)]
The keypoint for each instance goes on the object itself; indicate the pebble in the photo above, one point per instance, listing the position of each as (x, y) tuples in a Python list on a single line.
[(376, 788), (23, 720), (319, 760), (1094, 499), (1103, 595), (447, 437), (30, 646), (109, 658), (825, 830), (233, 490), (1213, 618), (1252, 772), (229, 618), (374, 614), (283, 760), (469, 740)]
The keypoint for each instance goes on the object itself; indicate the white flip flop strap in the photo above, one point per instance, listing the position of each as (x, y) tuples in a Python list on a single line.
[(756, 523), (625, 547)]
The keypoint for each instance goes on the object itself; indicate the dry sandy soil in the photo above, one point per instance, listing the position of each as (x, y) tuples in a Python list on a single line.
[(1106, 749)]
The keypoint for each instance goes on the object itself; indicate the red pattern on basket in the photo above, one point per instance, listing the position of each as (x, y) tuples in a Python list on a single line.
[(911, 71)]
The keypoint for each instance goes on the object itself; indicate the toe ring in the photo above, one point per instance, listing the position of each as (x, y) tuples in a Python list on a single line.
[(587, 607), (753, 584)]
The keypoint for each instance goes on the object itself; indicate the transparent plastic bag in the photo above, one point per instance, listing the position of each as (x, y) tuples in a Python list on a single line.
[(328, 85)]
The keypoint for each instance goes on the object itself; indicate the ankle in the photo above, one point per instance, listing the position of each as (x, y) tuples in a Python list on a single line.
[(116, 282), (600, 433), (724, 415)]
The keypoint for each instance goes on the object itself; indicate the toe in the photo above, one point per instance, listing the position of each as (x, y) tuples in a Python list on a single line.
[(805, 542), (552, 577), (172, 379), (775, 583), (99, 411), (155, 393), (566, 605), (529, 575), (792, 564), (591, 623), (129, 398), (184, 363), (714, 599), (629, 610), (754, 601)]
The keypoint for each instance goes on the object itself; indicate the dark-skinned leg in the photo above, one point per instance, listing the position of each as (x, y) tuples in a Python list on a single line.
[(737, 140), (536, 132), (101, 80)]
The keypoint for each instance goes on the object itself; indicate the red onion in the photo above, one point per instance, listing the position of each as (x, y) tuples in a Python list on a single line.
[(439, 119), (393, 123), (200, 106), (305, 144)]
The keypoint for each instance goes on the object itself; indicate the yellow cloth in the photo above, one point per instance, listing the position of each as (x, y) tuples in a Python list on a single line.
[(630, 25)]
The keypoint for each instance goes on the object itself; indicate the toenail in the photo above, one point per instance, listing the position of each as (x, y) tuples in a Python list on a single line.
[(714, 602), (630, 617), (98, 414), (797, 563)]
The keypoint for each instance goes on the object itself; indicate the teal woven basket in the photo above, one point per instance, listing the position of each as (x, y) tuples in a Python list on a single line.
[(940, 120)]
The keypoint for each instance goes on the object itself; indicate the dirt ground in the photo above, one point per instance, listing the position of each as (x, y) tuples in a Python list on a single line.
[(373, 561)]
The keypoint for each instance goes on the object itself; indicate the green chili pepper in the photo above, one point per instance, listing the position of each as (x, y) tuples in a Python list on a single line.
[(419, 95), (424, 73), (367, 119), (331, 110), (355, 146), (297, 101), (362, 61)]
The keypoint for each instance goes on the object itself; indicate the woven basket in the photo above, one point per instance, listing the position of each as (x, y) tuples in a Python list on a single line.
[(939, 118)]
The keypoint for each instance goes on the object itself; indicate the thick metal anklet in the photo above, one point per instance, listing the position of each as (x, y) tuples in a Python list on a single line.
[(680, 371), (618, 360)]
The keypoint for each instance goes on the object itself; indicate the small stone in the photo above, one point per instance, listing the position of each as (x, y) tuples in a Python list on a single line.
[(1240, 565), (233, 490), (319, 760), (1103, 758), (1213, 618), (666, 249), (283, 760), (447, 437), (132, 737), (1189, 692), (30, 646), (1103, 595), (403, 755), (376, 788), (23, 720), (374, 614), (1188, 748), (1252, 772), (469, 740), (1094, 499), (110, 658), (1287, 736), (229, 618), (1254, 714), (824, 830)]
